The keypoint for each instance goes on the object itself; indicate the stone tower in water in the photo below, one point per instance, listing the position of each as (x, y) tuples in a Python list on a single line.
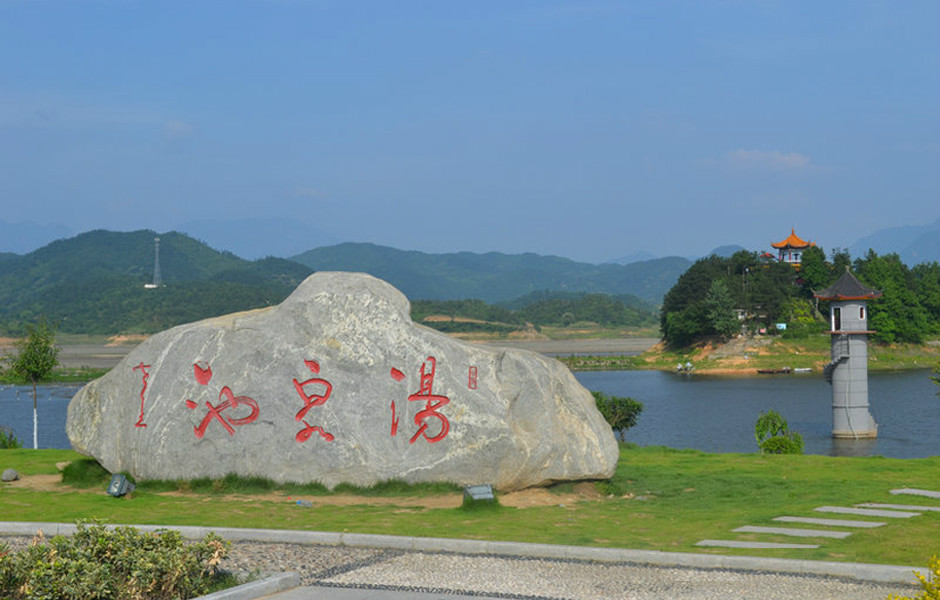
[(848, 369)]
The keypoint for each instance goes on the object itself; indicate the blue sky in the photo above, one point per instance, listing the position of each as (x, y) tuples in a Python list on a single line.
[(585, 129)]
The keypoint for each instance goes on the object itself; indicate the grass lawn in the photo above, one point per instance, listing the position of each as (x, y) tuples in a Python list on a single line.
[(659, 499)]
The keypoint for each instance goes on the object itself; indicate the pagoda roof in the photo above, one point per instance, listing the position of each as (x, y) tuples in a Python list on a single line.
[(847, 287), (792, 241)]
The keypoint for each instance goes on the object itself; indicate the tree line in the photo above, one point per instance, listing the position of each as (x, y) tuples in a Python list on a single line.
[(560, 309), (751, 291)]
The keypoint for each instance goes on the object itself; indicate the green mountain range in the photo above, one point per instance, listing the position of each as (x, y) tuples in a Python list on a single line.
[(95, 282), (495, 277)]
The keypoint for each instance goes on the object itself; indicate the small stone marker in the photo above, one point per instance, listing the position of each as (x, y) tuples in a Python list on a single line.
[(793, 531), (829, 522), (120, 486), (756, 545), (868, 512), (10, 475), (479, 493), (916, 492)]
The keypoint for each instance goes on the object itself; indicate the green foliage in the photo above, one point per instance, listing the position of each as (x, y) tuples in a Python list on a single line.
[(930, 588), (814, 271), (469, 309), (36, 355), (8, 438), (802, 319), (85, 473), (605, 310), (98, 563), (719, 307), (769, 292), (621, 413), (774, 436), (898, 316), (397, 487), (561, 309)]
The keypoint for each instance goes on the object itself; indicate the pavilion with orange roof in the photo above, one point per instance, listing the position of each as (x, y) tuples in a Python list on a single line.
[(790, 250)]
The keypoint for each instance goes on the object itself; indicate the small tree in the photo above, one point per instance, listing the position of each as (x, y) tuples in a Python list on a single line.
[(774, 436), (36, 356), (621, 413), (720, 307)]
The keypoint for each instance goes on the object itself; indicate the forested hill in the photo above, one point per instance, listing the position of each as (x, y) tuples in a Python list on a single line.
[(495, 277), (94, 283)]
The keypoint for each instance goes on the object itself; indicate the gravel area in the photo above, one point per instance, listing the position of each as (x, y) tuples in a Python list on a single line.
[(525, 578), (508, 577)]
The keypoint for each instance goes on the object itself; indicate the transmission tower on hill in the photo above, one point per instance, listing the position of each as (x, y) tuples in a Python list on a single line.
[(157, 278)]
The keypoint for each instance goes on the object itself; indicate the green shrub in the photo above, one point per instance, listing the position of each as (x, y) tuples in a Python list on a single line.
[(98, 563), (8, 438), (774, 436), (620, 412), (85, 473)]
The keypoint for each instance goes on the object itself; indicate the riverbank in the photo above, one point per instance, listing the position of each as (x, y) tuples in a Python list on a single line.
[(748, 355)]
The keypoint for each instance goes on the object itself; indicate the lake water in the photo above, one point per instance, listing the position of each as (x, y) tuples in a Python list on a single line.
[(715, 414), (16, 412)]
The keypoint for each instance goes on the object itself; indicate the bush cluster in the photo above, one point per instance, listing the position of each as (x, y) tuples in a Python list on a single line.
[(621, 413), (8, 439), (774, 436), (99, 563)]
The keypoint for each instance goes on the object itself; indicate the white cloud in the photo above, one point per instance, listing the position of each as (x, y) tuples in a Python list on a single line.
[(774, 159)]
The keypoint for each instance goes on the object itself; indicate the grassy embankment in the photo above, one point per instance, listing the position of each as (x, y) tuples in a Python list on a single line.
[(745, 356), (659, 499)]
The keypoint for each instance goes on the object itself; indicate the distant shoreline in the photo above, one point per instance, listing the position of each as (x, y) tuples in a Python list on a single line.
[(626, 346)]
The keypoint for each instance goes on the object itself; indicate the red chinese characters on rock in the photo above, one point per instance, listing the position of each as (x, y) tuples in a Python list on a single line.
[(433, 402), (472, 379), (145, 375), (311, 400), (203, 374)]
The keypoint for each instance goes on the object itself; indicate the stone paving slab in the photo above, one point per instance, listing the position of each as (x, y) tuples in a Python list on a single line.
[(899, 506), (917, 492), (793, 531), (760, 545), (868, 512), (829, 522)]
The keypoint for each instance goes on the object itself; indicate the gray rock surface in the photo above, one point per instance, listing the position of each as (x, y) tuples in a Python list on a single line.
[(337, 384), (9, 475)]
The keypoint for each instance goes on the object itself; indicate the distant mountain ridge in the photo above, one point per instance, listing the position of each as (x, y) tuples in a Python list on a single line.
[(915, 244), (493, 276)]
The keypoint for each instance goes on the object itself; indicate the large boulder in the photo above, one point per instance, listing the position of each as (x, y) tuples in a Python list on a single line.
[(337, 384)]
